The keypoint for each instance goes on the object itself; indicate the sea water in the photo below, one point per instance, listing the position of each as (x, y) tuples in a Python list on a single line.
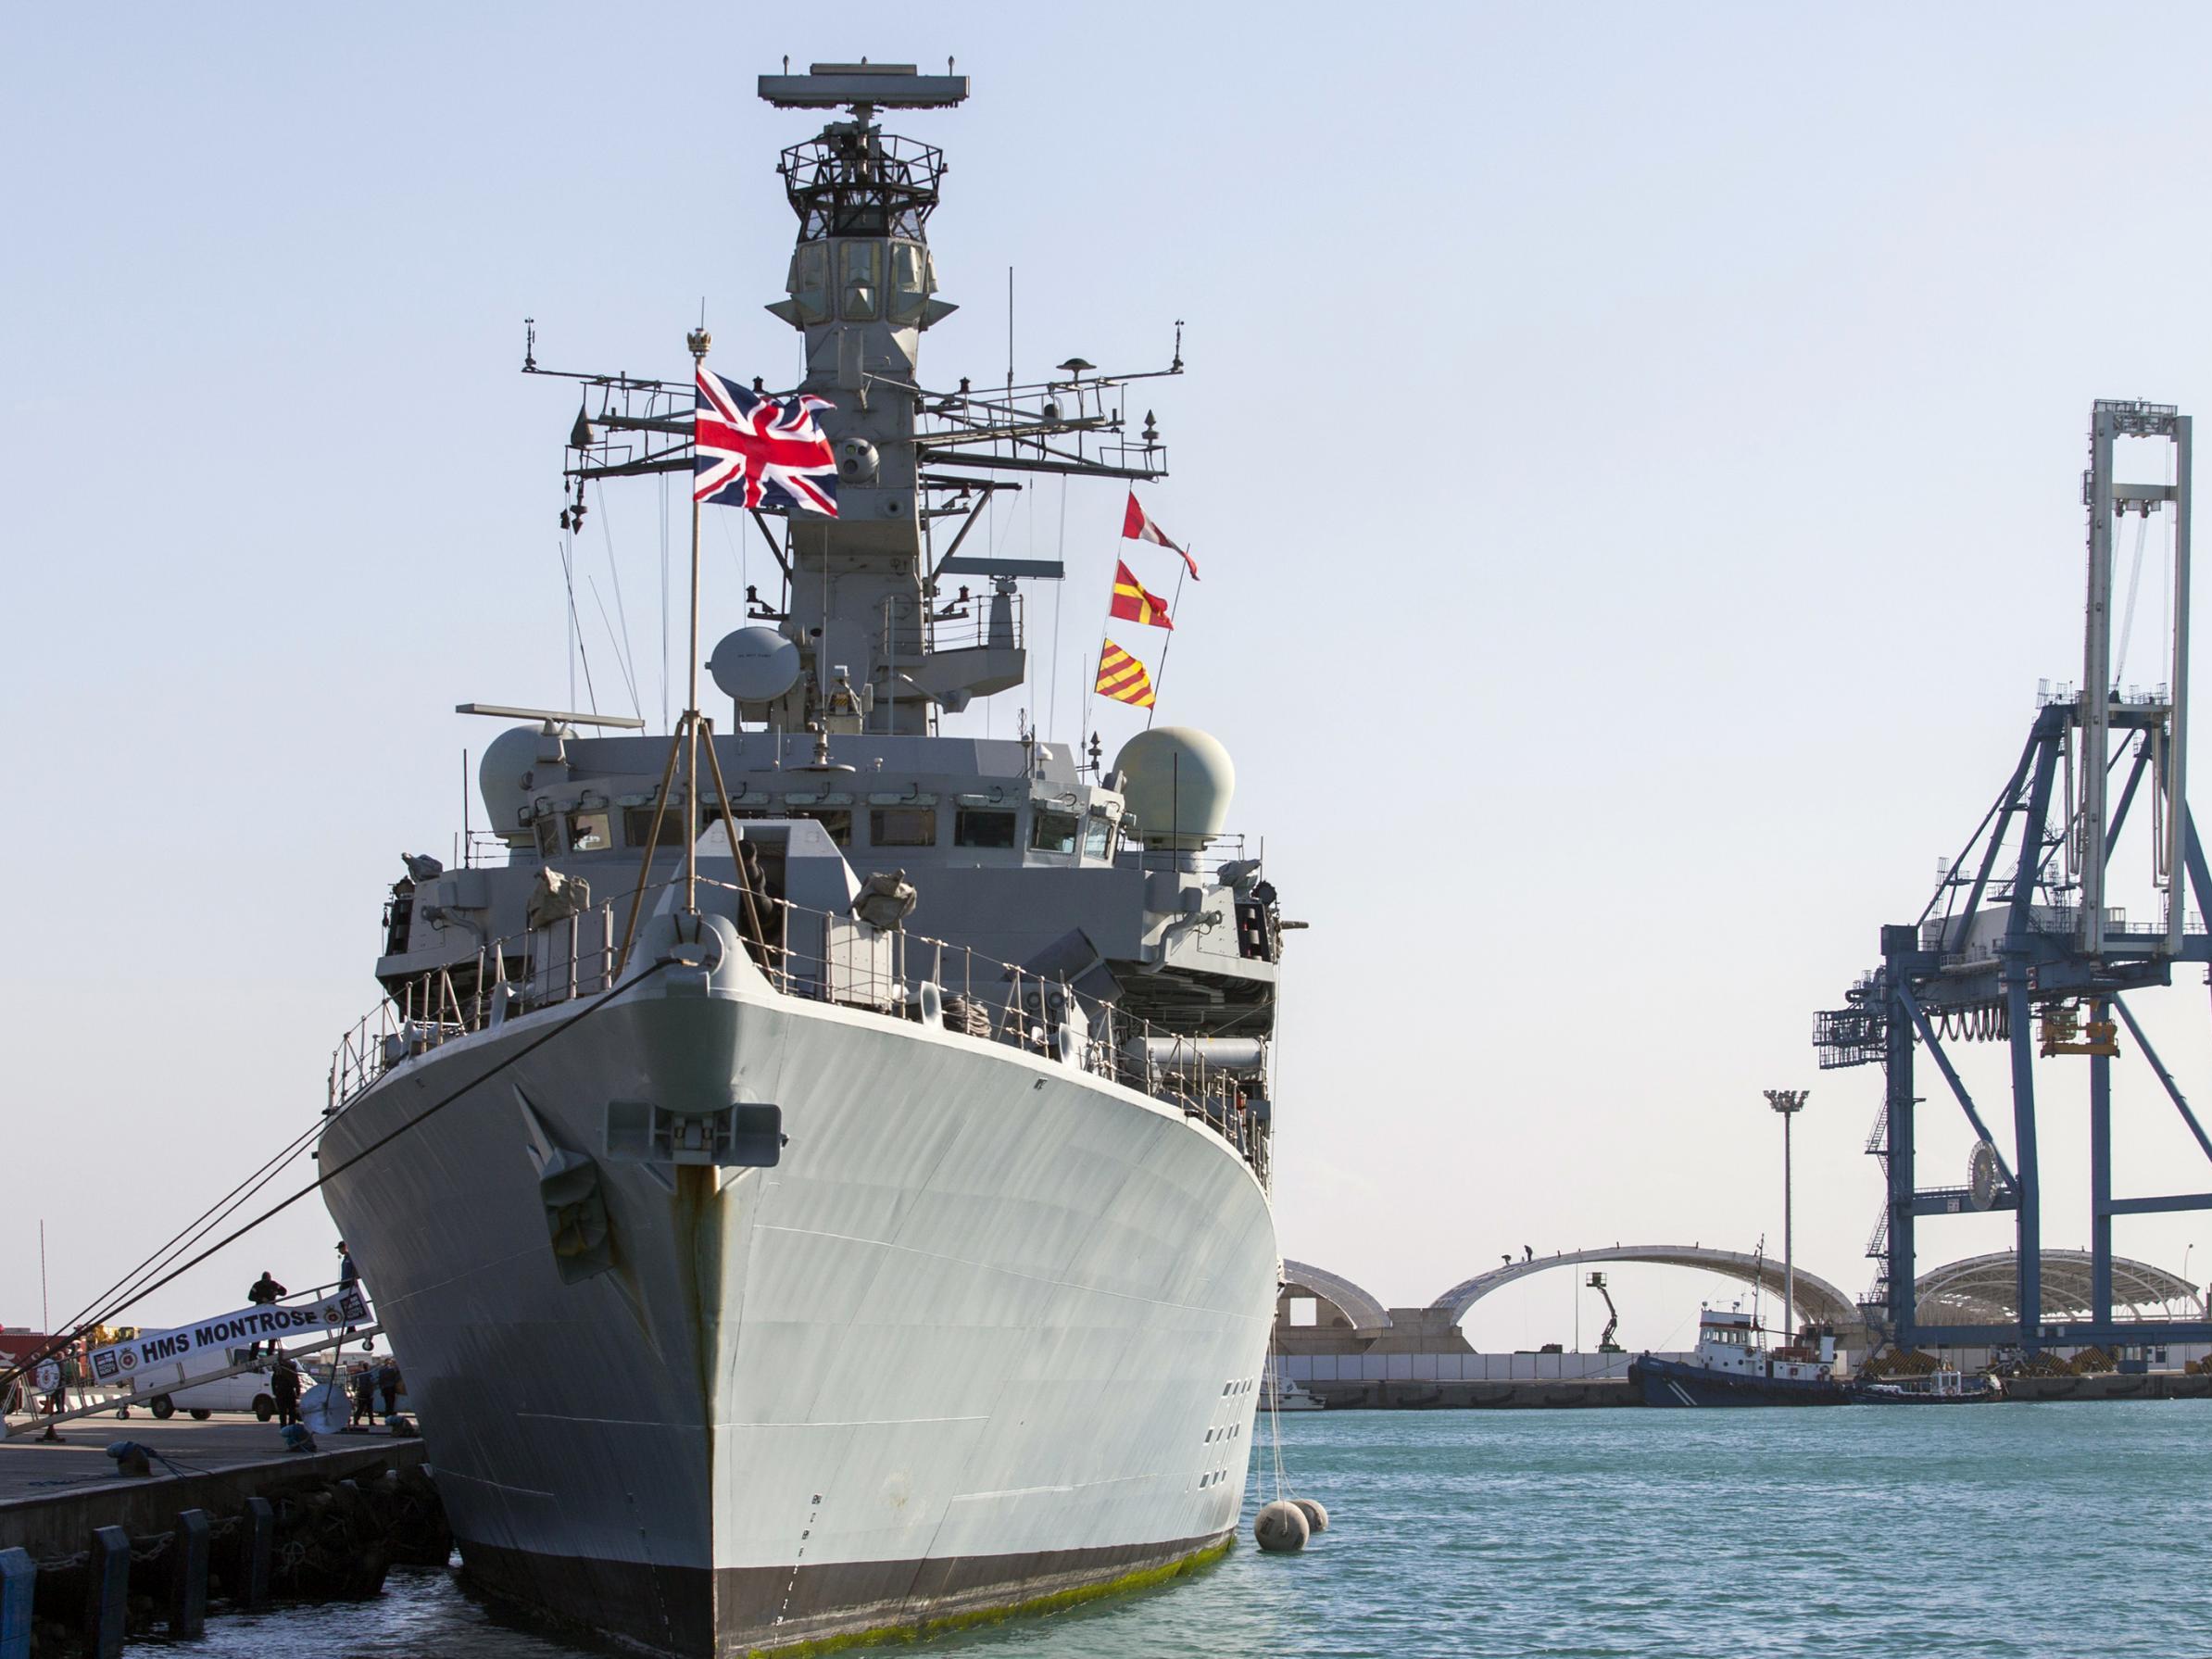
[(1984, 1530)]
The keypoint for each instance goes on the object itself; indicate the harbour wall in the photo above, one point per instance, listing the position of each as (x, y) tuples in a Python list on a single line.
[(1314, 1370)]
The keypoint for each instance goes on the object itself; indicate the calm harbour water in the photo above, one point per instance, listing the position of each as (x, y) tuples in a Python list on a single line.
[(2007, 1528)]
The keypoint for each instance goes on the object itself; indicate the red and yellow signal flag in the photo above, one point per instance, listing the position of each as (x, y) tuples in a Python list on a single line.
[(1133, 604), (1122, 677)]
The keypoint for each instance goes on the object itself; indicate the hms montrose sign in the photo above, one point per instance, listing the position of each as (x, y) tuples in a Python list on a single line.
[(124, 1361)]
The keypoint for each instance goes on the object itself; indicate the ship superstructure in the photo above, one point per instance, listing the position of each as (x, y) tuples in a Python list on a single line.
[(820, 1177)]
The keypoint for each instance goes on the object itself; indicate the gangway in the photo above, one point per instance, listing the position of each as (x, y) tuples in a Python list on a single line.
[(120, 1403)]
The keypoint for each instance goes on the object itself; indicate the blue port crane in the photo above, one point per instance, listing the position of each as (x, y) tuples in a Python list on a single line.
[(2021, 945)]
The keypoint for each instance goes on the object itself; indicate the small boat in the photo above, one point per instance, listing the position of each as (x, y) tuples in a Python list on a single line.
[(1944, 1386), (1734, 1366), (1287, 1396)]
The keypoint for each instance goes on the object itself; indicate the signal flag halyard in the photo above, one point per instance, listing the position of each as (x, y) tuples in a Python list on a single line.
[(1122, 677), (1133, 604), (1138, 526), (749, 450)]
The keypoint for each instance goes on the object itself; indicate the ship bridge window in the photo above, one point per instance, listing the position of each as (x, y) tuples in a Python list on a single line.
[(860, 283), (589, 832), (1054, 831), (1098, 836), (637, 826), (978, 826), (809, 285), (909, 281), (902, 826), (637, 823), (837, 820)]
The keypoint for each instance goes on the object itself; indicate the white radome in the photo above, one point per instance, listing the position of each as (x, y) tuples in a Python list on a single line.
[(507, 760), (1178, 781), (754, 665)]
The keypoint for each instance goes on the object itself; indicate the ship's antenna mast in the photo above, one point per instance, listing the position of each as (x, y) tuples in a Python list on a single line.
[(698, 340)]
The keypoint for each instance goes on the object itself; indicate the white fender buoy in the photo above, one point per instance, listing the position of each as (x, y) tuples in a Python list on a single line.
[(1280, 1527), (1316, 1516)]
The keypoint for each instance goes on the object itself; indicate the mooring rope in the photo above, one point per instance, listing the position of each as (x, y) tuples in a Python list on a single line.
[(84, 1326)]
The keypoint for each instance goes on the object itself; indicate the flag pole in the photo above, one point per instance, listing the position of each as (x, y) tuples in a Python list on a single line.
[(1175, 609), (698, 340)]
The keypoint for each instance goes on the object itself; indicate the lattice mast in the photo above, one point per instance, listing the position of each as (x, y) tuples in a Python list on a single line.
[(887, 632)]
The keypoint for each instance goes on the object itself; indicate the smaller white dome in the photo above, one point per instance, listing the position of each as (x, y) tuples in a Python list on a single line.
[(507, 760), (754, 665), (1178, 781)]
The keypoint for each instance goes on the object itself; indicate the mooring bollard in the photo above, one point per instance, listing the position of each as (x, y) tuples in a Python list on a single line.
[(18, 1576), (256, 1545), (107, 1593), (188, 1581)]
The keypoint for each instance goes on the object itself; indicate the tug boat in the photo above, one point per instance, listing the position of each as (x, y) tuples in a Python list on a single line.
[(1734, 1366)]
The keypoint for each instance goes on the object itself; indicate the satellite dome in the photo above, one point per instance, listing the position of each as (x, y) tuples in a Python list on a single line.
[(1177, 782), (508, 761), (754, 665)]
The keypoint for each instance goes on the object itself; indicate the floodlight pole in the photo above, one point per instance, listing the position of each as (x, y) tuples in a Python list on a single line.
[(1788, 1102)]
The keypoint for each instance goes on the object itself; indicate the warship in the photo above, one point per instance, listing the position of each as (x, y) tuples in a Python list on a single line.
[(816, 1169)]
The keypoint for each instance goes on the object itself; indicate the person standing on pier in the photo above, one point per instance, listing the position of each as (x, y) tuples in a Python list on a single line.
[(284, 1388), (387, 1385), (364, 1398)]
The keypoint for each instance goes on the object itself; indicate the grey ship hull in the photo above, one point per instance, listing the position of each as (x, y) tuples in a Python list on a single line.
[(989, 1333)]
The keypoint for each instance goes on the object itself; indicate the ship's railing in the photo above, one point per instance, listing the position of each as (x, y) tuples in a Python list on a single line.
[(907, 639), (826, 957), (1207, 860)]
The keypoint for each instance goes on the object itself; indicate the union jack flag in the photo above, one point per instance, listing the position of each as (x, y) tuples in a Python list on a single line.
[(755, 451)]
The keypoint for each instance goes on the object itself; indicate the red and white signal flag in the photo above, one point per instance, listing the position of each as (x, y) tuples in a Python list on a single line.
[(1138, 526)]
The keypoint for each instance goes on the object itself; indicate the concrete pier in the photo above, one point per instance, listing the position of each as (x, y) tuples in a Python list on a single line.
[(52, 1495), (1543, 1394), (228, 1512)]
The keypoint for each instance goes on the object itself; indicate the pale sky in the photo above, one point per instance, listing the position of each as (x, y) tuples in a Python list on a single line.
[(1633, 453)]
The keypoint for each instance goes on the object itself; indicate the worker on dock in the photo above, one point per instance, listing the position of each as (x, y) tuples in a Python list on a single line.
[(284, 1388)]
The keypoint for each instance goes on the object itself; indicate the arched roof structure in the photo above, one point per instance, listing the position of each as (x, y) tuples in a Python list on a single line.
[(1817, 1299), (1355, 1304), (1985, 1289)]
